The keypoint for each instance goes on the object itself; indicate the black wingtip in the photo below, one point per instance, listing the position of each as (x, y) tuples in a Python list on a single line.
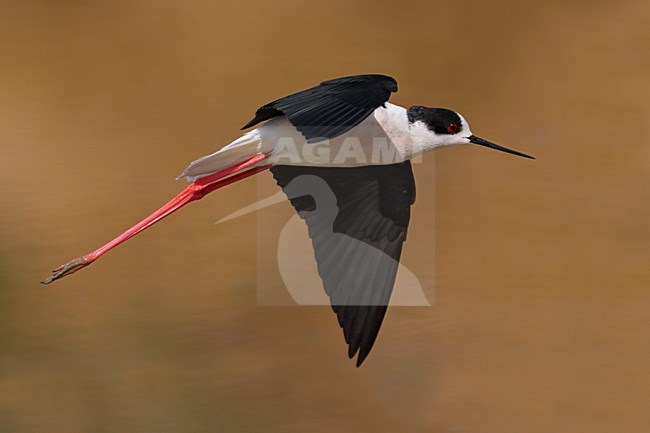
[(248, 125), (262, 114), (352, 351), (356, 348)]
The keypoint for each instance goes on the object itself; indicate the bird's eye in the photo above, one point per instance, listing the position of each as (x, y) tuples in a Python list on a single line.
[(453, 128)]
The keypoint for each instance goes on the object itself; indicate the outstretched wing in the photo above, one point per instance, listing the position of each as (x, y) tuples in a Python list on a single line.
[(331, 108), (357, 219)]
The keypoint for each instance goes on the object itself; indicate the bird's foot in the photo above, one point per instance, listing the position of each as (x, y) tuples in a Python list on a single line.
[(67, 269)]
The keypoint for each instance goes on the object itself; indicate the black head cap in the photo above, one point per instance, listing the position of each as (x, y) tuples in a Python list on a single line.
[(438, 120)]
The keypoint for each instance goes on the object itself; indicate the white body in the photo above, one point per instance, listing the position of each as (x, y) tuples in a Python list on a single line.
[(384, 137)]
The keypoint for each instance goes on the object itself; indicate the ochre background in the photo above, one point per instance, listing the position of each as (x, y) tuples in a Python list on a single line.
[(542, 297)]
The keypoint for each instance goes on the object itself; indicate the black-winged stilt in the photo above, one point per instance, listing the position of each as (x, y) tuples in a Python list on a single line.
[(345, 135)]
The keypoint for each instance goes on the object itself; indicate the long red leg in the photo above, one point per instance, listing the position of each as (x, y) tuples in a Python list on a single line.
[(197, 190)]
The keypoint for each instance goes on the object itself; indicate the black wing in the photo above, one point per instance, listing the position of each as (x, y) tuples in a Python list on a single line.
[(331, 108), (357, 219)]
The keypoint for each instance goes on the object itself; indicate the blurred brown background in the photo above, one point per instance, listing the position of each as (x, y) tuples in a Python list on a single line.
[(541, 314)]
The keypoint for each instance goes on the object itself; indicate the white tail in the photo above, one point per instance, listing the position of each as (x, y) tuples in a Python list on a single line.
[(239, 150)]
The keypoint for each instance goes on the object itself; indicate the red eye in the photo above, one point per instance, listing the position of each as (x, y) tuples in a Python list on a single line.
[(453, 128)]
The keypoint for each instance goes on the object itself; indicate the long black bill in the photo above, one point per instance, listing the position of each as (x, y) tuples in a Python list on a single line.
[(478, 140)]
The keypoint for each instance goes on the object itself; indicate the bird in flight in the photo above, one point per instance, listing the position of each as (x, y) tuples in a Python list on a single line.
[(341, 153)]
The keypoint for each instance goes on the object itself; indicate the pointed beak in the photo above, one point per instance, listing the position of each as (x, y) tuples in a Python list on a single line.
[(478, 140)]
